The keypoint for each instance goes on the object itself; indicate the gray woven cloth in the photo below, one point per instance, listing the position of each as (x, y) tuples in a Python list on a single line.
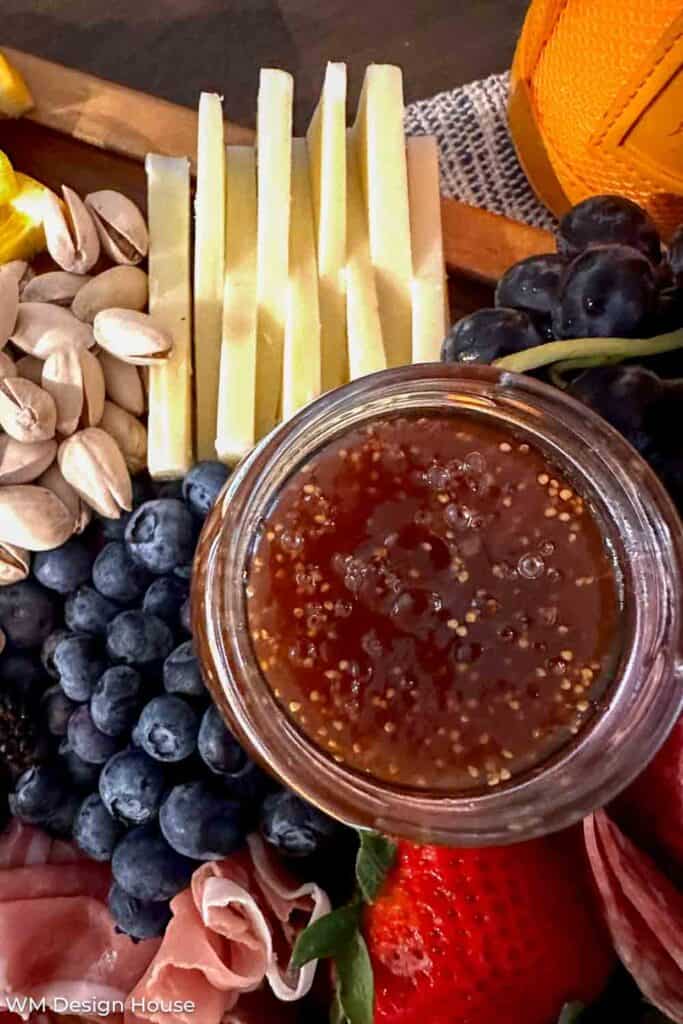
[(479, 165)]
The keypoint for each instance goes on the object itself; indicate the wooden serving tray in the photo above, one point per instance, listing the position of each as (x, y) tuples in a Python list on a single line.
[(90, 133)]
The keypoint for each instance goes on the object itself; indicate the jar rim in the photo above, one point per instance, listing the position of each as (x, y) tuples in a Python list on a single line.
[(643, 702)]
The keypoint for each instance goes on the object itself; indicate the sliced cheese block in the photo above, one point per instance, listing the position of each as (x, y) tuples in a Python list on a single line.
[(301, 377), (378, 132), (366, 348), (237, 388), (169, 453), (430, 300), (208, 268), (274, 152), (326, 138)]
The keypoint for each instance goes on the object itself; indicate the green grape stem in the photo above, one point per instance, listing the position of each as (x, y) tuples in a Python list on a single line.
[(606, 350)]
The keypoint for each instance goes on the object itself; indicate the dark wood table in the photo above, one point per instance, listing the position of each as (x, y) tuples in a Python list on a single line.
[(175, 48)]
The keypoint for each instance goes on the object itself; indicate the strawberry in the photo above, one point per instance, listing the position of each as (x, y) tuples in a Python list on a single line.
[(496, 935)]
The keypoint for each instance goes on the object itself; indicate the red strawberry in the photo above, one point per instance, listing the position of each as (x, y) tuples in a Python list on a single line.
[(498, 935)]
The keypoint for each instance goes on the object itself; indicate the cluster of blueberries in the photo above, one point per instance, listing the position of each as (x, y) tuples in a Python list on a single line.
[(610, 278), (139, 767)]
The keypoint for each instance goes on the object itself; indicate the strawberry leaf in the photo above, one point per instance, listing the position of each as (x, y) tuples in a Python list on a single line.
[(355, 985), (376, 855), (571, 1013), (327, 936)]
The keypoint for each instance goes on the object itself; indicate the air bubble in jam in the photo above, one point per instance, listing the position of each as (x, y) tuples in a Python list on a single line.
[(437, 605)]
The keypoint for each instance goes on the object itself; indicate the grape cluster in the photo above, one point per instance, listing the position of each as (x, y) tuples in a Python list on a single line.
[(140, 767)]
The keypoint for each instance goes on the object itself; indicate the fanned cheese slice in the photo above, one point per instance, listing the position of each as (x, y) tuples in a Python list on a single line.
[(169, 452), (208, 268), (366, 348), (326, 138), (430, 300), (237, 387), (274, 153), (378, 132), (301, 370)]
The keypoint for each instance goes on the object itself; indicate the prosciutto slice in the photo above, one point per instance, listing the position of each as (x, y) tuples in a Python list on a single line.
[(230, 931), (643, 911)]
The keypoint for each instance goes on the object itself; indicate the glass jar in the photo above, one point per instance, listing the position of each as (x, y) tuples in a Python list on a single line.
[(642, 531)]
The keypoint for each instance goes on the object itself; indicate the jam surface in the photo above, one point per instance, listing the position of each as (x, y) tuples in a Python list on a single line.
[(432, 603)]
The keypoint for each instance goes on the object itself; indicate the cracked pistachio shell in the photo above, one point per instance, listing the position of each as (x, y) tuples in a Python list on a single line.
[(125, 287), (53, 480), (70, 232), (129, 433), (27, 412), (19, 270), (120, 226), (15, 564), (9, 307), (8, 368), (123, 383), (34, 518), (132, 336), (42, 328), (22, 463), (30, 368), (92, 462), (58, 286), (62, 378)]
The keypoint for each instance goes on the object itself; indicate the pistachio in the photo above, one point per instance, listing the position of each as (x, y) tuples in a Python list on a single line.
[(92, 462), (93, 389), (8, 368), (15, 564), (120, 225), (123, 383), (9, 307), (125, 287), (132, 336), (34, 518), (19, 270), (27, 412), (42, 328), (63, 380), (129, 433), (71, 236), (22, 463), (58, 286), (54, 481), (30, 368)]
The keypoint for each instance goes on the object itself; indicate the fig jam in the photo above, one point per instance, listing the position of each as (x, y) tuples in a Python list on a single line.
[(432, 602)]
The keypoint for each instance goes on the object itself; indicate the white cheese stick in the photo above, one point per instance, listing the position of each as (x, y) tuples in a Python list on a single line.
[(274, 156), (366, 348), (169, 426), (208, 268), (301, 375), (237, 388), (430, 300), (378, 132), (326, 138)]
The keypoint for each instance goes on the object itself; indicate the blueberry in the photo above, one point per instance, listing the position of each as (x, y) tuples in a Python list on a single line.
[(115, 529), (27, 613), (47, 651), (115, 700), (165, 597), (199, 824), (218, 748), (607, 219), (675, 255), (86, 740), (186, 616), (117, 576), (38, 794), (202, 485), (138, 638), (61, 821), (181, 672), (145, 866), (623, 395), (141, 919), (531, 284), (64, 568), (161, 535), (131, 787), (167, 729), (489, 334), (605, 292), (170, 489), (86, 611), (94, 829), (294, 827), (57, 710), (22, 673), (248, 785), (183, 572), (82, 776), (80, 663)]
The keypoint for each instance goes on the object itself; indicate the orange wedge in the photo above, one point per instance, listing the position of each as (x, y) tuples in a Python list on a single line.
[(21, 220), (15, 96)]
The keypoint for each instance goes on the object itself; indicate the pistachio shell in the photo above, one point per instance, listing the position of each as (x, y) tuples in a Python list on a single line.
[(33, 517), (9, 307), (22, 463), (19, 270), (93, 389), (63, 380), (71, 236), (30, 368), (15, 564), (8, 368), (120, 225), (42, 328), (125, 287), (123, 383), (132, 336), (58, 286), (27, 412), (55, 482), (129, 433), (93, 464)]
